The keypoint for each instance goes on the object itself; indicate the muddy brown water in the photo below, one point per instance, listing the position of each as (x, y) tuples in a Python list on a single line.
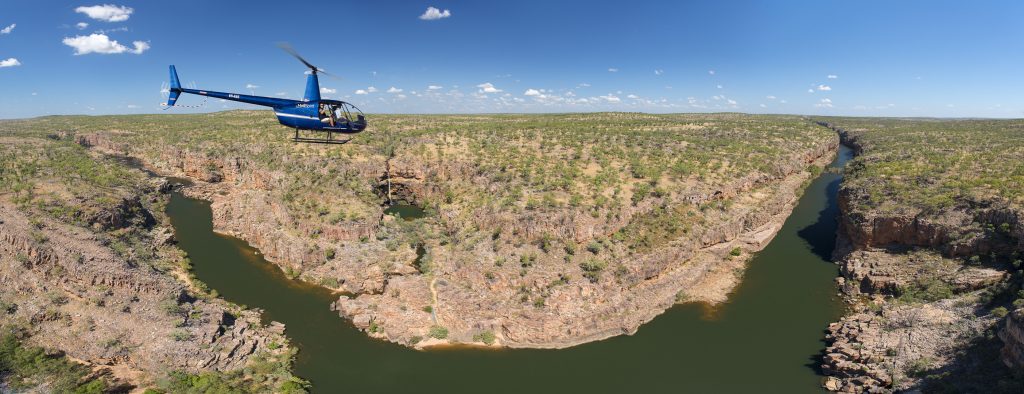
[(767, 338)]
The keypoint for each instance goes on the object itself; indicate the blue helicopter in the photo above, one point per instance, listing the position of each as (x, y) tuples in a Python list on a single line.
[(321, 116)]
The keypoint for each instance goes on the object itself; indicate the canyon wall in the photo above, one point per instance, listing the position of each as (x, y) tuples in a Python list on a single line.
[(921, 283)]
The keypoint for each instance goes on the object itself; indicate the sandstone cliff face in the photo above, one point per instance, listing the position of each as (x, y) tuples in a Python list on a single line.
[(466, 302), (1013, 335), (887, 251), (79, 296), (480, 271)]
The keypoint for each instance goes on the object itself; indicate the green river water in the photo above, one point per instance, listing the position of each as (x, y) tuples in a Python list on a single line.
[(767, 338)]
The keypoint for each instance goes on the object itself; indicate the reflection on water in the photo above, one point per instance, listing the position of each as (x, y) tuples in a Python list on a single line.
[(767, 338), (405, 211)]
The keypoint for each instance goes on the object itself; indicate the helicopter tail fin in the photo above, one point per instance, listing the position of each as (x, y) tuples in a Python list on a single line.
[(175, 89)]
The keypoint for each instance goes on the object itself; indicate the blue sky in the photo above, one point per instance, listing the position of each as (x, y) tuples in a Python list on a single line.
[(877, 58)]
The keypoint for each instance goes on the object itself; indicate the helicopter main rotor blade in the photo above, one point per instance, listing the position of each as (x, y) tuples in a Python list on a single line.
[(324, 72), (291, 51)]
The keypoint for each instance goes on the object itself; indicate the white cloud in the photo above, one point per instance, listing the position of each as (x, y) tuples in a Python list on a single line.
[(824, 103), (8, 29), (531, 92), (361, 91), (770, 97), (9, 62), (719, 86), (731, 102), (328, 91), (100, 43), (434, 87), (613, 70), (371, 89), (251, 86), (487, 87), (393, 90), (632, 96), (140, 46), (763, 106), (824, 87), (132, 106), (832, 76), (114, 30), (434, 14), (583, 85), (81, 25), (106, 12), (810, 90), (659, 71), (711, 72), (611, 98)]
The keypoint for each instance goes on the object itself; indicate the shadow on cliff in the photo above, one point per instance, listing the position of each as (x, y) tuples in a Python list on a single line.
[(976, 368), (821, 235)]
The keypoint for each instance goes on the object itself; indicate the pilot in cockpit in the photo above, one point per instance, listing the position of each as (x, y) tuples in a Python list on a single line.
[(327, 114)]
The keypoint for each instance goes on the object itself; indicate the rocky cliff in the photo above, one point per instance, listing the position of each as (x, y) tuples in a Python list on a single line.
[(532, 277), (91, 272), (922, 276)]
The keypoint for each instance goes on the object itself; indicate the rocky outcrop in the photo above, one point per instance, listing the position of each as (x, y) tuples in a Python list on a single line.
[(480, 264), (578, 311), (1012, 335), (80, 296), (932, 260), (894, 347)]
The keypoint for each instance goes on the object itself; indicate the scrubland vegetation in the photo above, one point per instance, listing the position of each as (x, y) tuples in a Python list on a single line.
[(626, 171), (933, 210), (936, 164), (59, 185)]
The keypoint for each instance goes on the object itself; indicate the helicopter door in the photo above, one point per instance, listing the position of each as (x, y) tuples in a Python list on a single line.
[(327, 114)]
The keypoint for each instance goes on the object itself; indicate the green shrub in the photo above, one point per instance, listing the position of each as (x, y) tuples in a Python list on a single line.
[(181, 335), (486, 337), (21, 366), (438, 332), (737, 251), (8, 307), (171, 307), (1000, 312), (926, 290), (592, 269), (920, 366), (330, 282)]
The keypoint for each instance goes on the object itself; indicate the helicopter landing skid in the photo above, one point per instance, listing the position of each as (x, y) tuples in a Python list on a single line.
[(313, 140)]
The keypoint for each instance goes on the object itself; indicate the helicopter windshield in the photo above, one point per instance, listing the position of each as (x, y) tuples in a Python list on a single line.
[(342, 115)]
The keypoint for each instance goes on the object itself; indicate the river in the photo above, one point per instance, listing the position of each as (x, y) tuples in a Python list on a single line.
[(767, 338)]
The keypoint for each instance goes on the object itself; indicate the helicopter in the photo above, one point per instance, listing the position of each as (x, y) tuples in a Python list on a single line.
[(312, 113)]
